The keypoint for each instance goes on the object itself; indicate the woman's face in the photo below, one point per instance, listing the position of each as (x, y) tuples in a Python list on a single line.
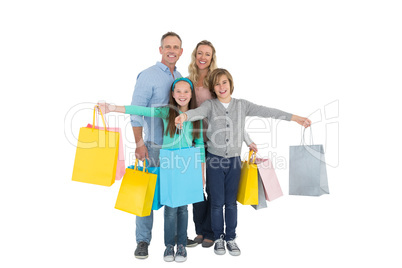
[(203, 57), (182, 93)]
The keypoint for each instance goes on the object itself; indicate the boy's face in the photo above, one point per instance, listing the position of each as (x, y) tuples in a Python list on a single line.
[(171, 50), (222, 89)]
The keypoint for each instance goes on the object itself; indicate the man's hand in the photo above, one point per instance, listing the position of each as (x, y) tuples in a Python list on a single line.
[(141, 153)]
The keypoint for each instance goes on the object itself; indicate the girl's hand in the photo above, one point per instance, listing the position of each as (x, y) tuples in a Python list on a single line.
[(305, 122), (179, 120), (253, 147), (104, 107)]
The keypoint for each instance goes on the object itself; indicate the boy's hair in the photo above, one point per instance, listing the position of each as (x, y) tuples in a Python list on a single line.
[(193, 69), (174, 112), (170, 34), (215, 76)]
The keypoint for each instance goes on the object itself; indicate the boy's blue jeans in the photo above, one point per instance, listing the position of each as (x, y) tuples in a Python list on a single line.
[(144, 225), (223, 181), (176, 219)]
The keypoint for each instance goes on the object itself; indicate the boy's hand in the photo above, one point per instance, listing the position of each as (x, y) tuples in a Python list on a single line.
[(253, 147), (179, 120), (305, 122)]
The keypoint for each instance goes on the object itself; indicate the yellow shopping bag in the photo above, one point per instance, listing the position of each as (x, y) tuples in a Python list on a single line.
[(96, 155), (137, 191), (248, 185)]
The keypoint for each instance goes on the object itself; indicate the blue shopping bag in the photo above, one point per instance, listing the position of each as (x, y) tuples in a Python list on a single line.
[(156, 204), (180, 176)]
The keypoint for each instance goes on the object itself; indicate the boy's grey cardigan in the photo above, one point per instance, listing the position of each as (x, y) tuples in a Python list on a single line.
[(226, 126)]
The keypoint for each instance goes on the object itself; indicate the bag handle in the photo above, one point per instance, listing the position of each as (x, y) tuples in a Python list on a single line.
[(251, 155), (311, 136), (103, 119), (144, 163), (180, 131)]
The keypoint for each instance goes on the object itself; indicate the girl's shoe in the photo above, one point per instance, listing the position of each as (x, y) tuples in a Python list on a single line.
[(233, 248), (181, 254), (169, 253), (219, 248)]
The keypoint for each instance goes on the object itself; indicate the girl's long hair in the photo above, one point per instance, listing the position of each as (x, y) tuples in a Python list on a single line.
[(174, 112), (193, 68)]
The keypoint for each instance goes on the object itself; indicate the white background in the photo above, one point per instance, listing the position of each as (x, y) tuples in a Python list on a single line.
[(340, 60)]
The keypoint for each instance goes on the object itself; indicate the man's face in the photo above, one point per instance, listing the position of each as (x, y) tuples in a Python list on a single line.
[(171, 50)]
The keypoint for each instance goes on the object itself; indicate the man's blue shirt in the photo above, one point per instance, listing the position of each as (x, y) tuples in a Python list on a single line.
[(152, 89)]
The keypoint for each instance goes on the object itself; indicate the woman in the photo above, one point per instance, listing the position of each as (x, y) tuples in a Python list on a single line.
[(203, 62)]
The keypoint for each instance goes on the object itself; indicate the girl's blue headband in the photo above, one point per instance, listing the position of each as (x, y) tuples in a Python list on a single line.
[(183, 79)]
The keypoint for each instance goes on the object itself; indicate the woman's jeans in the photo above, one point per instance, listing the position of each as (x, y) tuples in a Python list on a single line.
[(176, 219), (143, 230), (223, 181)]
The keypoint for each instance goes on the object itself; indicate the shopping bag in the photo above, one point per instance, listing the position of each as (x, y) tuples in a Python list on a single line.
[(96, 155), (307, 170), (120, 167), (156, 203), (262, 203), (136, 191), (180, 176), (272, 188), (247, 193)]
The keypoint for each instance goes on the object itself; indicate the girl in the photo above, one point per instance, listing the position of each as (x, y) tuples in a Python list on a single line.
[(181, 100), (203, 62), (226, 114)]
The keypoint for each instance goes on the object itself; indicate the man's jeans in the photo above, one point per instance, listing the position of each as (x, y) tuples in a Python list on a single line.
[(144, 224)]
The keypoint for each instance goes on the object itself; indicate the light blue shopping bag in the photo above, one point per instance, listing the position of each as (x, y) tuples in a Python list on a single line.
[(181, 176)]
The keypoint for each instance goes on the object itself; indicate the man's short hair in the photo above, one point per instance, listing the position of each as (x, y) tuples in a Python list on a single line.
[(170, 34)]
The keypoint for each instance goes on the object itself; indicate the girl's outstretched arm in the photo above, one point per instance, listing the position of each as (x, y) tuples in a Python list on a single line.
[(107, 108)]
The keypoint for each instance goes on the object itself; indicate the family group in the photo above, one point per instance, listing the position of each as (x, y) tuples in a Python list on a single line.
[(209, 118)]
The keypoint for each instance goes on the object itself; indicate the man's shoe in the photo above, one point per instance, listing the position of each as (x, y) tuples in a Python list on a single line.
[(233, 248), (191, 243), (142, 250), (219, 248), (168, 255)]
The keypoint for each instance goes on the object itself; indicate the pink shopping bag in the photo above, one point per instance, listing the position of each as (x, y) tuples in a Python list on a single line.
[(120, 168), (270, 181)]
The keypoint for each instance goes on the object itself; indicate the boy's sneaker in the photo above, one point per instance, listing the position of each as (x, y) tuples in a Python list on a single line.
[(181, 254), (233, 248), (219, 248), (169, 253), (141, 252)]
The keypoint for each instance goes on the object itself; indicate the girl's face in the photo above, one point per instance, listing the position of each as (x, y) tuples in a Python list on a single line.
[(203, 57), (182, 93), (222, 89)]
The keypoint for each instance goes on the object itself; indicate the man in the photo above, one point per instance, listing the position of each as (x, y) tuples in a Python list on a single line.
[(152, 90)]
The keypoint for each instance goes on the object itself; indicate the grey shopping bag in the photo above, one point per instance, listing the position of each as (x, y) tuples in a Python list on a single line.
[(262, 203), (307, 170)]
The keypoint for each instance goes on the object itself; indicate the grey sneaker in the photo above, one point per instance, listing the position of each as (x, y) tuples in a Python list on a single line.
[(233, 248), (169, 253), (181, 254), (219, 248), (141, 251)]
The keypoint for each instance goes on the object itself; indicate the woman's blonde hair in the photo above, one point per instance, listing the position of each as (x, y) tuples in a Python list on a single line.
[(193, 68)]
